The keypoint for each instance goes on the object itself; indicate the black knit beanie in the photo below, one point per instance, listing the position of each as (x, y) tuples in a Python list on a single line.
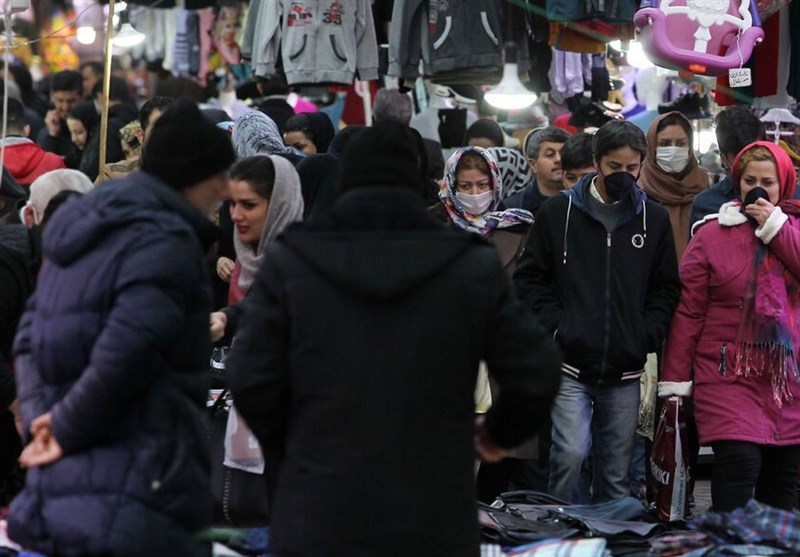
[(383, 155), (186, 148)]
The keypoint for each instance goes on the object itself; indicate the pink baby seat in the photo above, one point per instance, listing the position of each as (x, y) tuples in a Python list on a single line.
[(703, 36)]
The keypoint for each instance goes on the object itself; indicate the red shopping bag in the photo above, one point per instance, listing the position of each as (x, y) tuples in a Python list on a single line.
[(669, 462)]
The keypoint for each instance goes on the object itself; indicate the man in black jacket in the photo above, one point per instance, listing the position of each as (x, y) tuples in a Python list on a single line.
[(65, 92), (356, 360), (601, 273)]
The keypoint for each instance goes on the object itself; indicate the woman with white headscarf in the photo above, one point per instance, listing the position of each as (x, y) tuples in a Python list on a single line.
[(265, 198), (255, 133)]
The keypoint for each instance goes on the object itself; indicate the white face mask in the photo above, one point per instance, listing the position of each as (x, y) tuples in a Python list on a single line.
[(476, 204), (672, 159)]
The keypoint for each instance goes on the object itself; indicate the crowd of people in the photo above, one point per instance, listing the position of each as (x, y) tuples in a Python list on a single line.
[(389, 316)]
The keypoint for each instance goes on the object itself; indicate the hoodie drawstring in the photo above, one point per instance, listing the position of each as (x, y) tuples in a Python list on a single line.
[(566, 228), (644, 220)]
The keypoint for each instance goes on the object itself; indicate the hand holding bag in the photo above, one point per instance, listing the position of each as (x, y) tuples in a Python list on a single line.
[(238, 487), (669, 462)]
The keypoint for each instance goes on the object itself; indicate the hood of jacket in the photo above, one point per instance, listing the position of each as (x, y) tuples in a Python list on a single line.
[(80, 226), (377, 243), (23, 157)]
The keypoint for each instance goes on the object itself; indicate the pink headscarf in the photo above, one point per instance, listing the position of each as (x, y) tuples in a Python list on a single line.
[(786, 175)]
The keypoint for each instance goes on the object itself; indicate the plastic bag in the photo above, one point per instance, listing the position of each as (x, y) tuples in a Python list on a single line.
[(242, 450), (483, 393), (669, 462)]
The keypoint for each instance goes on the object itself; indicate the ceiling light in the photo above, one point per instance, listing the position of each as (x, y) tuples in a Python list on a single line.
[(86, 34), (510, 93), (127, 36), (636, 56)]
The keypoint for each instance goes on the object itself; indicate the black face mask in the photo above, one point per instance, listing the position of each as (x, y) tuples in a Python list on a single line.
[(752, 196), (619, 185)]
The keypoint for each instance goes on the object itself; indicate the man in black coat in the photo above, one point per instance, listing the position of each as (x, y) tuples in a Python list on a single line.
[(356, 360)]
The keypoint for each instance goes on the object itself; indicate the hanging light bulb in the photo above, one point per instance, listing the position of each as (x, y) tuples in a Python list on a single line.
[(127, 36), (636, 56), (510, 94), (86, 34)]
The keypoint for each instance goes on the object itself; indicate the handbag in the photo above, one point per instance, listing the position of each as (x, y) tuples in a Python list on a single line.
[(669, 462), (240, 497)]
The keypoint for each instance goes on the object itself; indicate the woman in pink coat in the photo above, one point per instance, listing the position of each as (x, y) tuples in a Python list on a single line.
[(738, 325)]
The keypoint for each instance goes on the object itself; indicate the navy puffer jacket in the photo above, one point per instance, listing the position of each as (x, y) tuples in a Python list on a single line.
[(115, 344)]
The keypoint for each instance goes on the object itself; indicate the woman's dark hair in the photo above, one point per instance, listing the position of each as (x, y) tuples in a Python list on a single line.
[(316, 126), (676, 120), (258, 171), (86, 113), (485, 128), (617, 134), (472, 160)]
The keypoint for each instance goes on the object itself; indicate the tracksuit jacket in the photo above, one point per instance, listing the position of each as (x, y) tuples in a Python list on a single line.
[(608, 297)]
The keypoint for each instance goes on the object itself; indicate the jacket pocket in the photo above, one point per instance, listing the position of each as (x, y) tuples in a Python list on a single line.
[(335, 49), (299, 51), (448, 24), (488, 28)]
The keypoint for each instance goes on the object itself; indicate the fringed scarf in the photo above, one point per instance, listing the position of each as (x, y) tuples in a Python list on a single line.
[(482, 224), (769, 330)]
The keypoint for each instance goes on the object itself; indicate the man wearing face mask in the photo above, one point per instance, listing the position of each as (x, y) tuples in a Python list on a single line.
[(600, 272), (671, 175)]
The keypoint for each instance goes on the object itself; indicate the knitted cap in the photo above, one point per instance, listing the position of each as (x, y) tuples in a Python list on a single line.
[(186, 148), (383, 155)]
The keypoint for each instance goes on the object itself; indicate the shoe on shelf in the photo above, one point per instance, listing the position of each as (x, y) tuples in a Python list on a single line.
[(590, 114)]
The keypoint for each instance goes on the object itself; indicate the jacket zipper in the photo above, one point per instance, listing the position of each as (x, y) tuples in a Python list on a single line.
[(607, 338), (723, 360), (226, 496)]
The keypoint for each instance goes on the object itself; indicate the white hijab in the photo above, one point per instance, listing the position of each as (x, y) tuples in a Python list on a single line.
[(285, 207)]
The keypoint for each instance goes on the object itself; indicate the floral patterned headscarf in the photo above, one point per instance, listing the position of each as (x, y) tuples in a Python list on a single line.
[(481, 224)]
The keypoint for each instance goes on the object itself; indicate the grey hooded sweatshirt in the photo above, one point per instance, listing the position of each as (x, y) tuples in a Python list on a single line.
[(321, 41)]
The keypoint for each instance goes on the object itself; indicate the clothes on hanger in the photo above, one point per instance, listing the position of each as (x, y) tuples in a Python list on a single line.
[(620, 11), (320, 41), (457, 42), (568, 73)]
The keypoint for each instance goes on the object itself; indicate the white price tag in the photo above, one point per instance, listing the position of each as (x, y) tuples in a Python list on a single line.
[(740, 77)]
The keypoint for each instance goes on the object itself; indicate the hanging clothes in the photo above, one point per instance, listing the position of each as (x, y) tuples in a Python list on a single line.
[(320, 41), (620, 11), (793, 87), (457, 41), (568, 73)]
